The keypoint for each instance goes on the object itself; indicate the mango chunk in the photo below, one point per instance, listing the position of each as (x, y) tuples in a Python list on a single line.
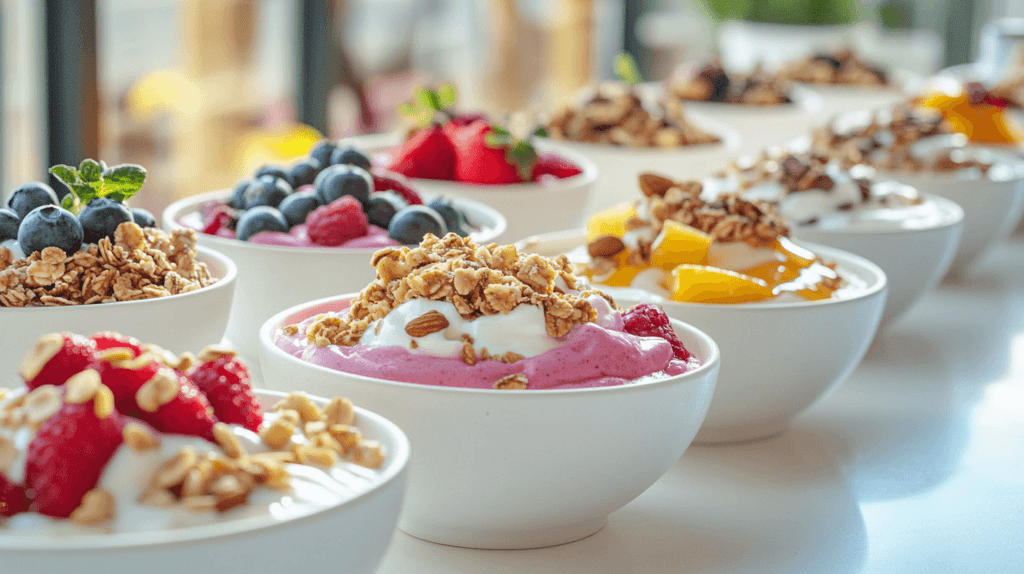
[(703, 284), (611, 221), (679, 244)]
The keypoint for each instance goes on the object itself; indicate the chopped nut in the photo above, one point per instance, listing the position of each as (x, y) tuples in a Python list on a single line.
[(427, 323), (339, 411), (82, 387), (301, 404), (605, 246), (158, 497), (97, 507), (200, 503), (515, 381), (158, 391), (103, 402), (319, 456), (468, 354), (228, 441), (138, 438), (45, 349), (214, 352), (654, 185), (41, 403), (8, 454), (368, 453), (173, 471), (278, 434)]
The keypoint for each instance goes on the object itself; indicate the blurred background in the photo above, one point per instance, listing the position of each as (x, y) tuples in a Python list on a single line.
[(203, 91)]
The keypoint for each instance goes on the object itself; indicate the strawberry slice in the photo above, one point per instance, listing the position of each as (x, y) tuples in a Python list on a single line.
[(124, 371), (428, 154), (55, 358), (13, 498), (227, 385), (187, 412), (554, 165), (482, 155), (384, 180), (68, 455)]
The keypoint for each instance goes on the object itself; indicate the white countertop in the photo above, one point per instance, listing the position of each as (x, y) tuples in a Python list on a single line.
[(913, 464)]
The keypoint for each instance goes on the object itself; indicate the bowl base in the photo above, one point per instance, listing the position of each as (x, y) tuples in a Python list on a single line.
[(504, 539), (741, 433)]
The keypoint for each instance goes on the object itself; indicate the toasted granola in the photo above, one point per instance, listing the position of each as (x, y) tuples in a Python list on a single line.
[(478, 280), (138, 264), (840, 67), (616, 115), (712, 83)]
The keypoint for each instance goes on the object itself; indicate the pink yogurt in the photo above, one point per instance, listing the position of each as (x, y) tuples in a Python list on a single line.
[(298, 236), (591, 356)]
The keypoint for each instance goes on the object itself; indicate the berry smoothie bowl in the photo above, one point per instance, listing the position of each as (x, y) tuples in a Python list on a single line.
[(301, 242), (119, 456), (797, 318), (90, 262), (502, 367)]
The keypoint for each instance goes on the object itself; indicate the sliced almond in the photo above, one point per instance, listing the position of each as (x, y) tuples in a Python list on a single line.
[(214, 352), (45, 349), (515, 382), (8, 454), (82, 387), (173, 471), (103, 403), (368, 453), (339, 411), (651, 184), (97, 507), (228, 440), (42, 403), (138, 438), (427, 323), (158, 391), (605, 246)]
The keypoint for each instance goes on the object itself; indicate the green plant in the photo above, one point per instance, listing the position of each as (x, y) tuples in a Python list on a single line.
[(801, 12)]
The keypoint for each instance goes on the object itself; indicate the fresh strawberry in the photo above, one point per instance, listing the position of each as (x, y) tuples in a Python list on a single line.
[(188, 413), (428, 154), (68, 455), (646, 320), (55, 358), (341, 220), (554, 165), (124, 375), (226, 384), (384, 180), (110, 340), (12, 497), (461, 120), (482, 156)]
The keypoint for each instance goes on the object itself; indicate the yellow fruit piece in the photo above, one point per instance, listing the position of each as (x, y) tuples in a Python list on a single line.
[(611, 221), (982, 123), (622, 276), (679, 244), (703, 284)]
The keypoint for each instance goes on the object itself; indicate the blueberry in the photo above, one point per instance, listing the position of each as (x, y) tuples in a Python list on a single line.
[(238, 194), (271, 169), (339, 180), (412, 223), (297, 206), (322, 152), (303, 173), (30, 196), (50, 226), (259, 219), (143, 217), (9, 222), (266, 190), (454, 219), (349, 155), (383, 207), (100, 218)]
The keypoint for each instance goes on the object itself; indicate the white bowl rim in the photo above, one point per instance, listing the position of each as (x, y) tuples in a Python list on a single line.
[(230, 273), (394, 465), (375, 143), (188, 204), (952, 213), (842, 258), (708, 363)]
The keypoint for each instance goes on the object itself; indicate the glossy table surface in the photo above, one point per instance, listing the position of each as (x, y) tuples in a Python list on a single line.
[(913, 464)]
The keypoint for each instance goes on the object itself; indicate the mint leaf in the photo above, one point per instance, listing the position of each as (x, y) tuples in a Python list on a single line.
[(66, 174), (429, 99), (446, 96), (540, 132), (626, 70), (68, 202), (407, 110), (90, 170), (122, 181)]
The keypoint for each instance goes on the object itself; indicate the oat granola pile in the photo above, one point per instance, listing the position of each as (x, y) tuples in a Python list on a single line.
[(138, 264), (839, 67), (616, 115), (713, 84), (478, 280), (885, 142)]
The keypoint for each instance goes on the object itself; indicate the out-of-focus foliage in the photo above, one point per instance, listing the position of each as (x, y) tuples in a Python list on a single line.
[(806, 12)]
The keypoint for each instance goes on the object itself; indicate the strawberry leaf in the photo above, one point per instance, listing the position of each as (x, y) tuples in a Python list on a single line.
[(626, 69), (446, 96), (90, 170), (429, 98), (540, 132)]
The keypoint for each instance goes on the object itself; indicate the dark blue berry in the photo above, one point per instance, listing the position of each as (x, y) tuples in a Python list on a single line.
[(322, 151), (348, 155), (297, 206), (271, 169), (259, 219), (50, 226), (238, 194), (9, 222), (454, 219), (30, 196), (266, 190), (340, 180), (383, 207), (303, 173), (100, 218), (410, 225), (143, 217)]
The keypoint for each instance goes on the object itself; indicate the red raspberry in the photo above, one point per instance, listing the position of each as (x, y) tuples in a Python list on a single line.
[(384, 180), (226, 384), (67, 457), (189, 413), (341, 220), (552, 164), (646, 320), (12, 497), (55, 358), (218, 218)]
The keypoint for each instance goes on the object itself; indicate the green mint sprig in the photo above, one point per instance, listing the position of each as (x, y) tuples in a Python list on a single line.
[(518, 152), (427, 103), (94, 179), (627, 70)]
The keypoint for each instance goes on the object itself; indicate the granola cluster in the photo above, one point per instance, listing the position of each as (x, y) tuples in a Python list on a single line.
[(839, 67), (885, 142), (138, 264), (713, 84), (478, 280), (616, 115)]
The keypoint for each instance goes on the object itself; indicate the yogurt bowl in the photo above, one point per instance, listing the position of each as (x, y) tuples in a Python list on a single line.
[(360, 524), (785, 355), (274, 277)]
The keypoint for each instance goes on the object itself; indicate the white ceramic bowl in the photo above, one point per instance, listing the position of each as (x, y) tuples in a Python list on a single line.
[(914, 259), (271, 278), (179, 322), (348, 537), (529, 208), (518, 469), (779, 358)]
